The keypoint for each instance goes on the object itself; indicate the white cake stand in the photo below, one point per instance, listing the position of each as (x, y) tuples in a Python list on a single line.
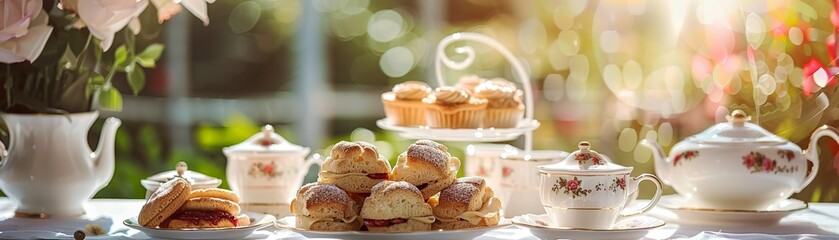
[(525, 126)]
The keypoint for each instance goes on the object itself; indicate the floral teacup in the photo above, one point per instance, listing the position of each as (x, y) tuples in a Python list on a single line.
[(586, 191)]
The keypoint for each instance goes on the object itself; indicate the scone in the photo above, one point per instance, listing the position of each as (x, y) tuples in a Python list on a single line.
[(396, 207), (173, 205), (403, 106), (164, 202), (449, 107), (324, 207), (504, 106), (468, 203), (355, 167), (208, 212), (469, 82), (428, 166)]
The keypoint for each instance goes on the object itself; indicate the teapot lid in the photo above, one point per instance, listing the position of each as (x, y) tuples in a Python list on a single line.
[(181, 170), (266, 142), (584, 161), (736, 131)]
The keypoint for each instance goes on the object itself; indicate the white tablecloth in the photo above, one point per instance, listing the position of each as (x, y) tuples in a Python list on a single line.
[(820, 221)]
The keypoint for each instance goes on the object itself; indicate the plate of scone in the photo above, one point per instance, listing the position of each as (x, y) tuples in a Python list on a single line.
[(176, 211), (359, 196)]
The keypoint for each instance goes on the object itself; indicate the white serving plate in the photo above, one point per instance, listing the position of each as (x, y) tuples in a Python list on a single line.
[(288, 224), (260, 221), (461, 134)]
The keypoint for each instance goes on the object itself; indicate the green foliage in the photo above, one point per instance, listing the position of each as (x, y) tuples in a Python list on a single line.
[(62, 80)]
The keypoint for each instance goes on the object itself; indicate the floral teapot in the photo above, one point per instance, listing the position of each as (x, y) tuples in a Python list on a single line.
[(738, 165), (266, 170)]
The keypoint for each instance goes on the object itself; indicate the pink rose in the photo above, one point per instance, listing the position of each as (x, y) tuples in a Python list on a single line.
[(768, 165), (572, 184), (269, 169), (749, 160), (104, 18), (168, 8), (24, 30), (622, 183)]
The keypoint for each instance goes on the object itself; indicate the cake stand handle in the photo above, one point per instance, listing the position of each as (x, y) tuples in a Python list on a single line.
[(518, 69)]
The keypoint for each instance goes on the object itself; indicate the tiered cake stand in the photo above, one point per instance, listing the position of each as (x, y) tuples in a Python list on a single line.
[(525, 126)]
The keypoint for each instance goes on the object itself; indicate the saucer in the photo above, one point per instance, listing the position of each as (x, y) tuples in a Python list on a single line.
[(628, 228), (687, 212)]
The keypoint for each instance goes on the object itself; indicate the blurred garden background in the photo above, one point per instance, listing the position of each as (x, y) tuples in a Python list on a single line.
[(611, 72)]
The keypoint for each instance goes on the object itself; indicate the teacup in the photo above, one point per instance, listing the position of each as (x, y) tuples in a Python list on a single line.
[(520, 180), (484, 160), (586, 191)]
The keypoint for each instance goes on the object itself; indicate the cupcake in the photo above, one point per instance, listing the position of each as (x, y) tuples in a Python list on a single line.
[(449, 107), (469, 82), (504, 106), (403, 106)]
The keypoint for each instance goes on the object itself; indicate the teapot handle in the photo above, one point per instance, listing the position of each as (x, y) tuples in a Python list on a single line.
[(812, 154), (314, 159), (3, 153)]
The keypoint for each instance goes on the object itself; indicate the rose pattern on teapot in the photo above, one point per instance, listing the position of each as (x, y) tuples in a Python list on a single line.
[(267, 170), (687, 155), (757, 162)]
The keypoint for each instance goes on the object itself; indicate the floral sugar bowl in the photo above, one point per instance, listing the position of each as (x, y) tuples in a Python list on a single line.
[(586, 191), (195, 179), (738, 165), (266, 170)]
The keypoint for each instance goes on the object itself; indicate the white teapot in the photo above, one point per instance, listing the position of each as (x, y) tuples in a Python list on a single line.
[(738, 165), (266, 170)]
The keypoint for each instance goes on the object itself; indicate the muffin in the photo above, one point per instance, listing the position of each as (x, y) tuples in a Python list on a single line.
[(467, 203), (403, 106), (469, 82), (504, 106), (449, 107), (428, 166)]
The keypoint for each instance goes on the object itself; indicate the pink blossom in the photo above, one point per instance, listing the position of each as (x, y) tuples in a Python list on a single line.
[(749, 160), (768, 165), (573, 184)]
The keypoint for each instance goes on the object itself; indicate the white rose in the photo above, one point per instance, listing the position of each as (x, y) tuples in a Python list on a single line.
[(104, 18), (24, 30), (168, 8)]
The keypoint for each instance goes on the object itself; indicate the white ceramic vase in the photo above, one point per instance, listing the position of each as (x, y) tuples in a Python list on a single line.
[(49, 169)]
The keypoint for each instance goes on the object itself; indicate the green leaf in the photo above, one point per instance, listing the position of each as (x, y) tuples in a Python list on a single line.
[(150, 54), (110, 99), (120, 57), (145, 62), (136, 79), (95, 82)]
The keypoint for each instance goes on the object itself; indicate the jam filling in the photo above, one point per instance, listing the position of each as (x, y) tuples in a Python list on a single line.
[(377, 176), (195, 217), (383, 223)]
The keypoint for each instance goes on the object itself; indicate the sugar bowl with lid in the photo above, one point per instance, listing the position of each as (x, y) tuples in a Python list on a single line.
[(195, 179), (738, 165), (266, 170), (586, 191)]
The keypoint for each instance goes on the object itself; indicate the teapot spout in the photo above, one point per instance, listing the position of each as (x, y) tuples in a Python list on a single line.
[(103, 157), (662, 169), (812, 151)]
